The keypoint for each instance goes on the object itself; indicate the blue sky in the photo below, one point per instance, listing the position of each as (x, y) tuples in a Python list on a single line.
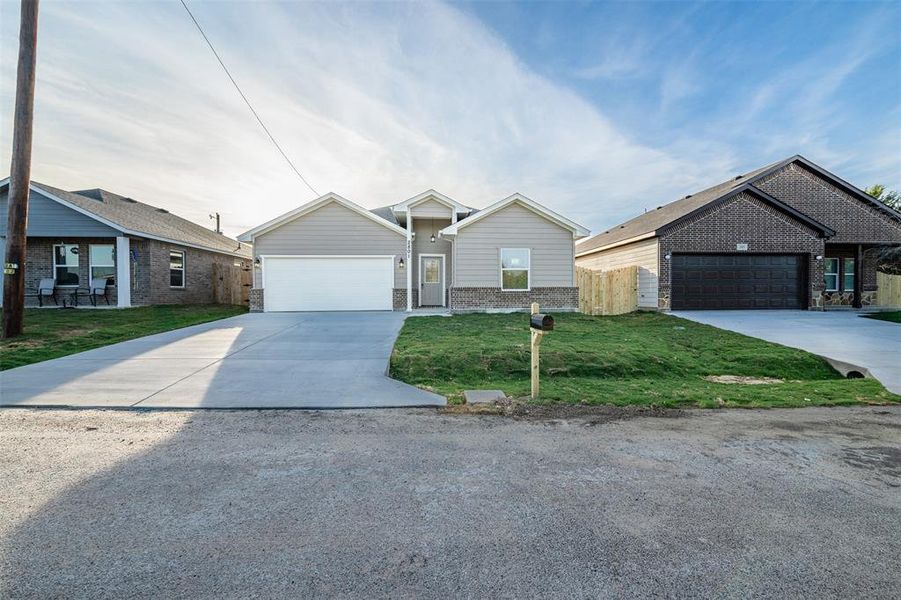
[(598, 110)]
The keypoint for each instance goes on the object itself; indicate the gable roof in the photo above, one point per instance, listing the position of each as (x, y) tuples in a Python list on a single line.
[(309, 207), (650, 223), (142, 220), (577, 230), (430, 193)]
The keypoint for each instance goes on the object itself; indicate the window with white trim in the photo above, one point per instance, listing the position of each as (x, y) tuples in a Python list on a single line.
[(831, 274), (65, 265), (103, 262), (176, 268), (848, 275), (515, 275)]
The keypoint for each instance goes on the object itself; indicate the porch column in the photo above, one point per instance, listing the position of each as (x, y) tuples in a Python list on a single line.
[(858, 277), (123, 272), (409, 260)]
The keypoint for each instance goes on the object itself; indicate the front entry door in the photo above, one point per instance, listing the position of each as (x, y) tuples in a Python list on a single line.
[(431, 281)]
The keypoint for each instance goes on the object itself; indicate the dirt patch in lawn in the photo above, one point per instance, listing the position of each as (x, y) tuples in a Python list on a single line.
[(742, 379), (521, 409)]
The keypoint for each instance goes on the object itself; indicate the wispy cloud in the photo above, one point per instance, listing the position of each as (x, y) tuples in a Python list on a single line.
[(377, 102), (381, 101)]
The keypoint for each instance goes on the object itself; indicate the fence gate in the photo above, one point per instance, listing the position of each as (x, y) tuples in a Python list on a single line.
[(231, 284)]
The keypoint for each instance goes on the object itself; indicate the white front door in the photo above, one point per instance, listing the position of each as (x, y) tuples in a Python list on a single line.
[(314, 283)]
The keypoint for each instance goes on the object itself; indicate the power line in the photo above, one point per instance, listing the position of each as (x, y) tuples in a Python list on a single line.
[(246, 101)]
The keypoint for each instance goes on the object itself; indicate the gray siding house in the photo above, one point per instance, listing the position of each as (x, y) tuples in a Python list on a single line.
[(789, 235), (75, 238), (428, 251)]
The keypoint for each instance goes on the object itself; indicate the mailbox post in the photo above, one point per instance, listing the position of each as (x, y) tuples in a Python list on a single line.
[(538, 324)]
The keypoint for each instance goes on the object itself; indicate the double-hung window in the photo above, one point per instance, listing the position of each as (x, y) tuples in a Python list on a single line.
[(831, 274), (103, 262), (848, 275), (515, 263), (65, 265), (176, 268), (839, 274)]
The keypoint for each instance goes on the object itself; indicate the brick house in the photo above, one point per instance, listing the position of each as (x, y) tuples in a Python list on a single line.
[(788, 235), (77, 237)]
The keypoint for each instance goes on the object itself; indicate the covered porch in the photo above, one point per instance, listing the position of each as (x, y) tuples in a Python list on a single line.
[(78, 271)]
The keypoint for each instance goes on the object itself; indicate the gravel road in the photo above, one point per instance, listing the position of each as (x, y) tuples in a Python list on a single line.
[(419, 503)]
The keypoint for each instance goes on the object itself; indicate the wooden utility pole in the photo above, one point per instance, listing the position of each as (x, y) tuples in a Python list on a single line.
[(20, 173)]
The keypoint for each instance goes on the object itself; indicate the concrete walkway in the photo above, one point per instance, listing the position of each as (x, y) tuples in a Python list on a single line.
[(839, 335), (277, 360)]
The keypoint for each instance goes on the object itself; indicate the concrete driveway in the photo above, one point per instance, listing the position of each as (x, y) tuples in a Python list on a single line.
[(839, 335), (272, 360)]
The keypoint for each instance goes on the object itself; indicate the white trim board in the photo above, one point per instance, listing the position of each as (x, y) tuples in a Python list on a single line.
[(577, 230), (443, 278), (309, 207), (438, 196), (610, 246)]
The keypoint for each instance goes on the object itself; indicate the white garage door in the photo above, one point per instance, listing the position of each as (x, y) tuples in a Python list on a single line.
[(327, 283)]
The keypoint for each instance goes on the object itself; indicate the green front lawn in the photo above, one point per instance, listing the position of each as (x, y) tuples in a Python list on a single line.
[(640, 358), (893, 316), (51, 333)]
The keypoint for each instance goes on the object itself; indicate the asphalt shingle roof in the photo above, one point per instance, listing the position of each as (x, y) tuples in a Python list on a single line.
[(653, 220), (145, 219)]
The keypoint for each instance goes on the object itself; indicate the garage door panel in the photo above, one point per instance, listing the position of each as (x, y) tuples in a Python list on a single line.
[(328, 283), (737, 281)]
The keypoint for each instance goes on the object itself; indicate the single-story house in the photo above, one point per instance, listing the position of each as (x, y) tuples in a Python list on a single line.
[(428, 251), (74, 238), (788, 235)]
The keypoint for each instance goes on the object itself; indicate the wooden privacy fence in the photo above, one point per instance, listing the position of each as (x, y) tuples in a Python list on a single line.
[(231, 284), (889, 293), (607, 292)]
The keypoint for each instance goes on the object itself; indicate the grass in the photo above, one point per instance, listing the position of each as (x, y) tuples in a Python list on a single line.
[(51, 333), (635, 359), (892, 316)]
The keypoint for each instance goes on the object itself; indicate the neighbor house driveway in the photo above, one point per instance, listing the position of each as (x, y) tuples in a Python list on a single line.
[(840, 335), (277, 360)]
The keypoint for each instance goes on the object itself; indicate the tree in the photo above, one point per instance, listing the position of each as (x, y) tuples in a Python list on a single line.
[(892, 199)]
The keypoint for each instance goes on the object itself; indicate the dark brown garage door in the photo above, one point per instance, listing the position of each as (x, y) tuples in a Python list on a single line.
[(737, 281)]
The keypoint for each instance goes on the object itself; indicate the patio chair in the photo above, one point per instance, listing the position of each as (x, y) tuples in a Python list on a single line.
[(99, 290), (47, 289)]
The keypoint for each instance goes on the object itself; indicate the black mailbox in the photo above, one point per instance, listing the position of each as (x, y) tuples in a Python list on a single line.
[(542, 322)]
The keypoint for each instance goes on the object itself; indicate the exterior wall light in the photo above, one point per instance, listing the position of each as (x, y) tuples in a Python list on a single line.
[(400, 264)]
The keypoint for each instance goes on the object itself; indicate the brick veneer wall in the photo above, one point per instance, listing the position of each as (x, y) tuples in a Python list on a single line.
[(482, 298), (150, 272), (742, 219), (854, 221), (39, 265)]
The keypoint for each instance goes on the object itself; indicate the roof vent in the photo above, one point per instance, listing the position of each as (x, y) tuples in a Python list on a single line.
[(659, 207), (737, 177), (162, 210), (688, 196), (622, 226)]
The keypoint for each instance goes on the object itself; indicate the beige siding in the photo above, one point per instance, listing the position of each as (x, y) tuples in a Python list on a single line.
[(422, 245), (643, 254), (431, 208), (332, 229), (478, 249)]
